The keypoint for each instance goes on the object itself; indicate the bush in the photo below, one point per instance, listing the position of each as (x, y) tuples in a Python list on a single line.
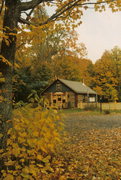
[(32, 142)]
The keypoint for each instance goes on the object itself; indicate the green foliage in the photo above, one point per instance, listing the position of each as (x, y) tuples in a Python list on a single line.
[(36, 101), (26, 80)]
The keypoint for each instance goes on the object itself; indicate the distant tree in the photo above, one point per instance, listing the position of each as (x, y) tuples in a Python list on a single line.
[(86, 71), (116, 58), (67, 63), (105, 79), (66, 67)]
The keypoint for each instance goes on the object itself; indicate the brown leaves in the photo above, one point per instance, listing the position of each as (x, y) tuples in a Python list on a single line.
[(92, 150)]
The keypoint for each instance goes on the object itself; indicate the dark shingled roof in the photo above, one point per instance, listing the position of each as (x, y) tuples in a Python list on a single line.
[(77, 87)]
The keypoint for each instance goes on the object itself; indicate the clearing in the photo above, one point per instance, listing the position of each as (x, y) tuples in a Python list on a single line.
[(92, 148)]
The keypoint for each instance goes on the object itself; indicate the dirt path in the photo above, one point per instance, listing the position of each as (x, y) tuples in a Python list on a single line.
[(76, 123), (92, 147)]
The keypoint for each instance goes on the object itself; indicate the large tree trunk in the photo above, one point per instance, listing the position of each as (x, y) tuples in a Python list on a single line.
[(6, 67)]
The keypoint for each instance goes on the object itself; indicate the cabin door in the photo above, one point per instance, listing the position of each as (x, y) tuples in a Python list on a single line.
[(59, 101)]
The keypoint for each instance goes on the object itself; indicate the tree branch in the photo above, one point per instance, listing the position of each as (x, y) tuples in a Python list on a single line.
[(69, 6), (28, 15), (31, 4), (64, 9), (24, 21)]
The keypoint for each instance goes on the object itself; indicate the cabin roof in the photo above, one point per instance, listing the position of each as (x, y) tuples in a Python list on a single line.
[(77, 87)]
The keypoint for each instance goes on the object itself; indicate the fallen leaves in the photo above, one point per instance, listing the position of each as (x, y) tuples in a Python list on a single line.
[(93, 152)]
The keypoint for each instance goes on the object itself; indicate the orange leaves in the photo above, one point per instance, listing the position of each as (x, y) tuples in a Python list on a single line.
[(106, 76), (91, 149)]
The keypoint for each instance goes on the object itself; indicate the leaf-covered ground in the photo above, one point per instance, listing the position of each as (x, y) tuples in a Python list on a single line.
[(92, 148)]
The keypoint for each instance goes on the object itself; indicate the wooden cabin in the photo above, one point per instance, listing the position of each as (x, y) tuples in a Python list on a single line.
[(64, 94)]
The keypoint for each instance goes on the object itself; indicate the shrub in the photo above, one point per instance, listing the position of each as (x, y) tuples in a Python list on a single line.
[(32, 142)]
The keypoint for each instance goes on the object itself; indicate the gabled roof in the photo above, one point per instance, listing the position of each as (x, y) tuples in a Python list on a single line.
[(77, 87)]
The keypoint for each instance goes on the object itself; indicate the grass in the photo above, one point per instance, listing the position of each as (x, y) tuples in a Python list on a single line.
[(106, 107), (77, 112), (71, 110)]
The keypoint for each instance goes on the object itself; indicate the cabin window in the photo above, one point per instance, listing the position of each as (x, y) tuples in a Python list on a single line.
[(84, 98), (58, 87), (91, 99), (54, 101), (64, 101)]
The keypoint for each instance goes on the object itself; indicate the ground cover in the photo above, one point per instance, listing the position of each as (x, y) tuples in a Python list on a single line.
[(92, 148), (88, 147)]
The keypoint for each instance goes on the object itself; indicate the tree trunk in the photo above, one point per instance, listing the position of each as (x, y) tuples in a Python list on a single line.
[(8, 49)]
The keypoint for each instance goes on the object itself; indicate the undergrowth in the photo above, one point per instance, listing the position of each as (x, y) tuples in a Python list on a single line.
[(32, 142)]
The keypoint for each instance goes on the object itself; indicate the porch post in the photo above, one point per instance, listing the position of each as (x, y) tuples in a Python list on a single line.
[(51, 100), (76, 100)]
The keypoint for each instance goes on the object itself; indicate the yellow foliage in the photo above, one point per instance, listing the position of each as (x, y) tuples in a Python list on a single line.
[(5, 61), (33, 139), (9, 177)]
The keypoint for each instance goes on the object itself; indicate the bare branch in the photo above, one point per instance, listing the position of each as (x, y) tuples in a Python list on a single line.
[(24, 21), (28, 15)]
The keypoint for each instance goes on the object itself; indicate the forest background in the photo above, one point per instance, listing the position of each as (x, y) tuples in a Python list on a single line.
[(42, 55), (58, 54)]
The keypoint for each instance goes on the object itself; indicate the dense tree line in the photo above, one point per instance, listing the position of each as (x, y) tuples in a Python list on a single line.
[(56, 54), (104, 76), (107, 75)]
